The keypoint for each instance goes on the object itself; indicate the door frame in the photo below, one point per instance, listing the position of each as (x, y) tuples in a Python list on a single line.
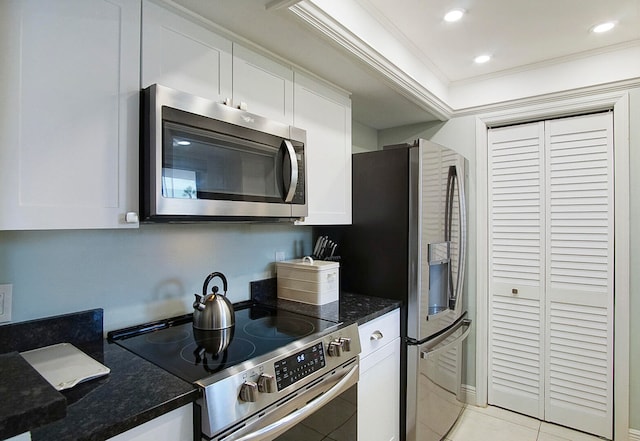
[(618, 101)]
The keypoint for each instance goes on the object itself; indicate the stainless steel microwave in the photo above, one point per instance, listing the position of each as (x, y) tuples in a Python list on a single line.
[(202, 160)]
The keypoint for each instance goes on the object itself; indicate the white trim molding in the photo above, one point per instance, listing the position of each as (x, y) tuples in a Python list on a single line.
[(469, 394), (618, 101), (370, 39), (396, 77), (634, 435)]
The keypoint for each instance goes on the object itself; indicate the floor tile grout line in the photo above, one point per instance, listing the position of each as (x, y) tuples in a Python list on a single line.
[(539, 432)]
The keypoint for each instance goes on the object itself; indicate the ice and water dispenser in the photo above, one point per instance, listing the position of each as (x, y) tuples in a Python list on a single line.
[(439, 260)]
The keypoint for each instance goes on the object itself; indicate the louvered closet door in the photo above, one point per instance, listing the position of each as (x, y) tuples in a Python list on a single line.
[(551, 271), (516, 268), (579, 267)]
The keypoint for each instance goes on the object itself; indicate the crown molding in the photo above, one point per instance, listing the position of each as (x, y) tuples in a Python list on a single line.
[(397, 79), (417, 93), (555, 104), (397, 33)]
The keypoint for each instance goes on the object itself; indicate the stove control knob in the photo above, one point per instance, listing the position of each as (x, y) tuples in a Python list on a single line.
[(346, 344), (266, 383), (334, 349), (249, 391)]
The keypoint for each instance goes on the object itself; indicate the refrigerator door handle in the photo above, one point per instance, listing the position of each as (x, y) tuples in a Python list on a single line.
[(442, 344), (455, 177), (462, 247)]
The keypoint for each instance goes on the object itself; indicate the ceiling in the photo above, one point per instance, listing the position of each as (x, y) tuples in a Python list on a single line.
[(518, 34)]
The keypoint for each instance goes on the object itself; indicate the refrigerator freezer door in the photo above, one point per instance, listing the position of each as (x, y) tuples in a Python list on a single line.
[(436, 404)]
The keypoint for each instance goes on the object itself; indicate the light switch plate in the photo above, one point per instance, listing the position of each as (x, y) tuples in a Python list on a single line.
[(5, 302)]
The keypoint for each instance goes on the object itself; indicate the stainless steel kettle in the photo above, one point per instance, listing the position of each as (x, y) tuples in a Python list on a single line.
[(213, 311)]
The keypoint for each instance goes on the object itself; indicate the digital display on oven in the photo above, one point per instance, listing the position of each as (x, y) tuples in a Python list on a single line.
[(298, 366)]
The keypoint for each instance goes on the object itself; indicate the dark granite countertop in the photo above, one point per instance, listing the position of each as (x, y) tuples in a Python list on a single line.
[(350, 308), (27, 398), (136, 391)]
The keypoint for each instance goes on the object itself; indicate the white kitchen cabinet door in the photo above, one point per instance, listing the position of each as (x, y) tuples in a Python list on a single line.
[(325, 114), (379, 383), (552, 271), (69, 112), (183, 55), (262, 86), (176, 425)]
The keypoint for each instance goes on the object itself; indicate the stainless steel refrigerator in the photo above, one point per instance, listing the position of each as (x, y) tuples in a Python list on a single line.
[(408, 242)]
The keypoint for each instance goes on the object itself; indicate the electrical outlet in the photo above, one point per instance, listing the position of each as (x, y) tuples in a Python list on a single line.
[(279, 256), (5, 303)]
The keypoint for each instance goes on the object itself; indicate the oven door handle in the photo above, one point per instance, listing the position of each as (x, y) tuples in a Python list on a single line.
[(294, 418)]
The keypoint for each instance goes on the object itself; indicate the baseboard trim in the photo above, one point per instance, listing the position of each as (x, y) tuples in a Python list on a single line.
[(634, 435), (469, 395)]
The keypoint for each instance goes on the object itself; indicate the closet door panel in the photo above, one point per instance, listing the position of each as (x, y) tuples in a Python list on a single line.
[(516, 268), (579, 344)]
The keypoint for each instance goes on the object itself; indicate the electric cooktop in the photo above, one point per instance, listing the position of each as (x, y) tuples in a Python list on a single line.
[(192, 354)]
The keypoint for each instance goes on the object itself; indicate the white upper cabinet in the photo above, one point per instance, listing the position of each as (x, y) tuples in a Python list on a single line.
[(262, 85), (69, 105), (184, 55), (180, 54), (326, 116), (69, 112)]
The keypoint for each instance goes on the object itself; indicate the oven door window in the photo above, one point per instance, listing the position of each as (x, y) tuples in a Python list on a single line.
[(336, 420), (201, 164)]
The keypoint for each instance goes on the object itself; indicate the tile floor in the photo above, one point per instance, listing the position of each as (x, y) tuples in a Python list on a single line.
[(496, 424)]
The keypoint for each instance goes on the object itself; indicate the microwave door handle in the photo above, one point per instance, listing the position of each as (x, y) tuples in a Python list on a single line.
[(293, 160)]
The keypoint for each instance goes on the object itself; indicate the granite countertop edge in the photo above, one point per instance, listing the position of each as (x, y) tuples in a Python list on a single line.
[(129, 396), (133, 393), (19, 378)]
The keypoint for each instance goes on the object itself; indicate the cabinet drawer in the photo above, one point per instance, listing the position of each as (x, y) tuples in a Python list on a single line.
[(379, 332)]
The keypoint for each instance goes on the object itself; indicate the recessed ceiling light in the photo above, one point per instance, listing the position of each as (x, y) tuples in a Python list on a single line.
[(482, 59), (603, 27), (454, 15)]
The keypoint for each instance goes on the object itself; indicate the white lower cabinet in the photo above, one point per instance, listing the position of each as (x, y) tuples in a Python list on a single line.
[(379, 384), (176, 425)]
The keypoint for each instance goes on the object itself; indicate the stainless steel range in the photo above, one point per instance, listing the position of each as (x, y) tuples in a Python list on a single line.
[(268, 379)]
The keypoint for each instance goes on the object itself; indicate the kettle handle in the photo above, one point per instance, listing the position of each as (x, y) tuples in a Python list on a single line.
[(205, 286)]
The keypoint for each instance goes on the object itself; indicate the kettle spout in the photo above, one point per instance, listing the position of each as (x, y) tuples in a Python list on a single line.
[(198, 304)]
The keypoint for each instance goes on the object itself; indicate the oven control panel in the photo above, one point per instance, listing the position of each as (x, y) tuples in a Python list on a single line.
[(310, 361), (299, 365)]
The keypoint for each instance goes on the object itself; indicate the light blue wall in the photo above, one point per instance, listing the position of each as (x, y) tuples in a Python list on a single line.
[(138, 275), (364, 138)]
